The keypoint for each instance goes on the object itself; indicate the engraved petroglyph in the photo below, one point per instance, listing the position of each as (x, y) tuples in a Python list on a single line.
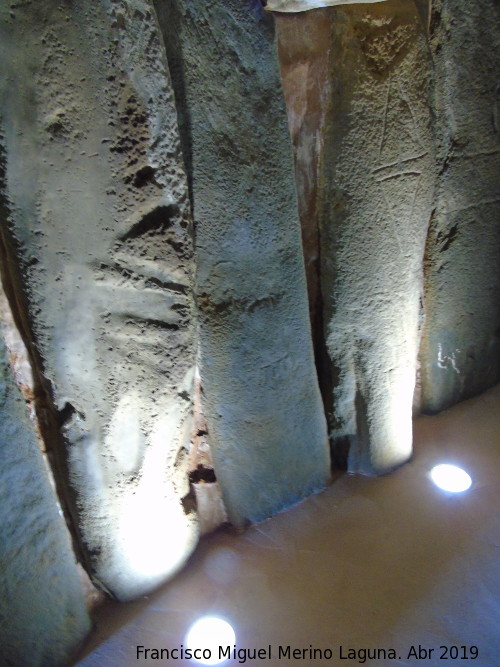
[(462, 254), (374, 229)]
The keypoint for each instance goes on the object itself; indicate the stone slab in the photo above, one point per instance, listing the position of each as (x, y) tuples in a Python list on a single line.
[(377, 189), (262, 404), (101, 237), (43, 616), (460, 353)]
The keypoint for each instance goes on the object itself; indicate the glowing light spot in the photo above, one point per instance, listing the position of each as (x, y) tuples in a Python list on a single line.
[(450, 478), (206, 635), (222, 566)]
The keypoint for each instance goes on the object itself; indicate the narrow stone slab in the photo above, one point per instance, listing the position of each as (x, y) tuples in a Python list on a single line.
[(304, 45), (460, 352), (99, 227), (262, 403), (43, 616), (377, 197)]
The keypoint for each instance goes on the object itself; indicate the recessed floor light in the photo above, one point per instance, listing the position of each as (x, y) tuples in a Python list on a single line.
[(450, 478), (206, 635)]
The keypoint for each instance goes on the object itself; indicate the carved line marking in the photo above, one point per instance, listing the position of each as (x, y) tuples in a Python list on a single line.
[(392, 223), (384, 125), (117, 276), (470, 156), (485, 202), (417, 136), (417, 189), (399, 162), (496, 125), (398, 174), (155, 221), (275, 361), (444, 359)]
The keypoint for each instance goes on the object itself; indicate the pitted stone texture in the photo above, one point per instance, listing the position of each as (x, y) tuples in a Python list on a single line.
[(460, 352), (43, 616), (377, 198), (262, 403), (99, 220), (305, 5)]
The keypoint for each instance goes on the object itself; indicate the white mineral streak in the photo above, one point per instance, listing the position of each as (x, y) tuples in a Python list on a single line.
[(306, 5)]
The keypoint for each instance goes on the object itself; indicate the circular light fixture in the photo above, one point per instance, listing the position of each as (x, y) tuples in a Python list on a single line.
[(206, 635), (450, 478)]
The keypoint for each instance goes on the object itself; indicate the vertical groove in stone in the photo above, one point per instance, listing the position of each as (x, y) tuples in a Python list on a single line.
[(263, 405), (377, 196), (460, 351), (99, 227)]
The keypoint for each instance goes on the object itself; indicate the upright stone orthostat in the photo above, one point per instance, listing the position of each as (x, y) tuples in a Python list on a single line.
[(377, 185), (43, 616), (460, 352), (99, 226), (262, 403)]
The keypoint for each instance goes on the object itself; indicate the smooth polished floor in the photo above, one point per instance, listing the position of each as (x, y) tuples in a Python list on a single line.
[(371, 563)]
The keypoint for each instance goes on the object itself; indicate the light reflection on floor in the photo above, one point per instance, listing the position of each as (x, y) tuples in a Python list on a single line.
[(388, 562)]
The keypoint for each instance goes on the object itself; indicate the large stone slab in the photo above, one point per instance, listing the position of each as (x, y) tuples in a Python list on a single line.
[(460, 352), (377, 185), (262, 403), (99, 226), (43, 616)]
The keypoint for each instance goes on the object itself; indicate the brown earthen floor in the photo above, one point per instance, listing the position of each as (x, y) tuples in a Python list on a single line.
[(388, 562)]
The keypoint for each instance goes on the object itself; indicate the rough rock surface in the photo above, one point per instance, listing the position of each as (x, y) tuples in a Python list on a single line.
[(99, 225), (304, 5), (377, 185), (42, 608), (460, 353), (262, 402)]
